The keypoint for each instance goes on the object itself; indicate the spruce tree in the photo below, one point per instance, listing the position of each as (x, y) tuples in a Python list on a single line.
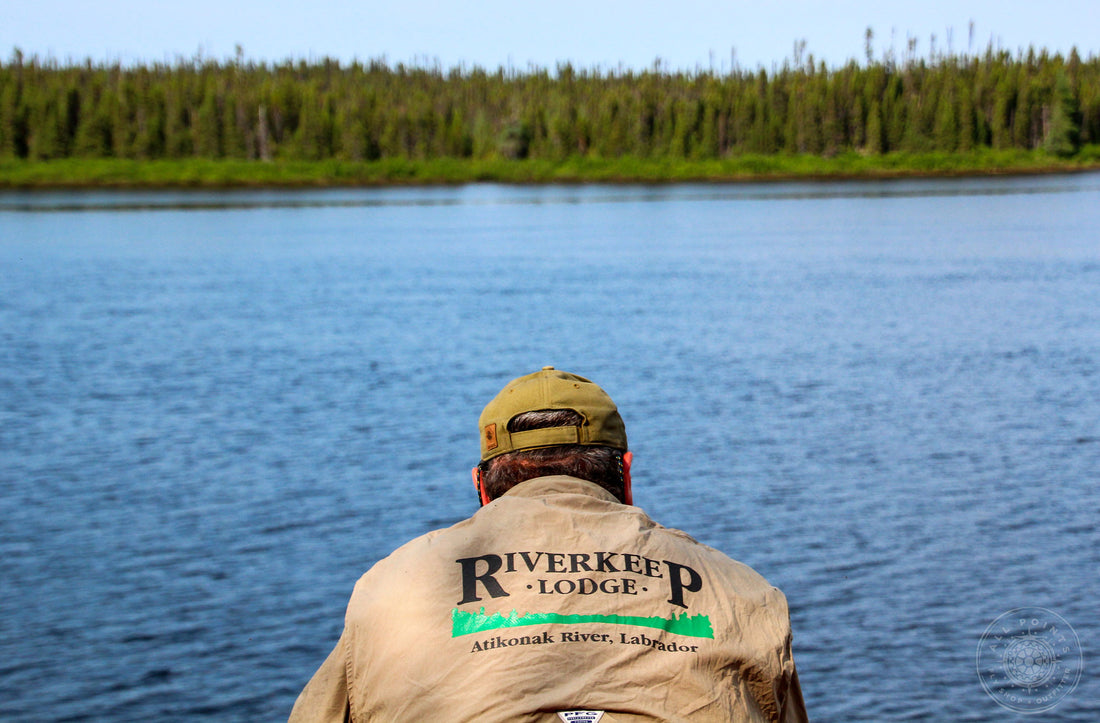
[(1062, 132)]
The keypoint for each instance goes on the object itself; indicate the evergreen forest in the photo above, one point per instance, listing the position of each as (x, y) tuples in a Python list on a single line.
[(361, 112)]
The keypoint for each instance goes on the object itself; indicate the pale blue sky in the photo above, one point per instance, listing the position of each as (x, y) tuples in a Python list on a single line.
[(685, 33)]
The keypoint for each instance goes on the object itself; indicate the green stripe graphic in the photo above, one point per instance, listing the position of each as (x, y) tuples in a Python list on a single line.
[(465, 623)]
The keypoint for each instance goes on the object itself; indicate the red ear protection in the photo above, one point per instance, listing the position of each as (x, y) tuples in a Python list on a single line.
[(628, 493), (482, 497)]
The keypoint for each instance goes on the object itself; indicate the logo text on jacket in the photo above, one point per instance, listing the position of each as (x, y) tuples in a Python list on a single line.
[(612, 573)]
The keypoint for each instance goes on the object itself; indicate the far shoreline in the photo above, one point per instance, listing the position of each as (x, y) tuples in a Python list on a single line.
[(129, 174)]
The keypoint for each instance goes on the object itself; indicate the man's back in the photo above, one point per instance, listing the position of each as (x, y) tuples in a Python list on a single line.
[(556, 597)]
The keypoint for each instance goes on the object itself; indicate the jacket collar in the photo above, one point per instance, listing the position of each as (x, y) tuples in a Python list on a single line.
[(559, 484)]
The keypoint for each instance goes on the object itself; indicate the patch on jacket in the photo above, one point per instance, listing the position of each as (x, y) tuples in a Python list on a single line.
[(580, 716)]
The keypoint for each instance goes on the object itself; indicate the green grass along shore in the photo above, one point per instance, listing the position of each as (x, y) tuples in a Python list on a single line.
[(206, 173)]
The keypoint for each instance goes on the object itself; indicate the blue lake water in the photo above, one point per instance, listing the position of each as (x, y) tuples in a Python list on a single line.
[(218, 409)]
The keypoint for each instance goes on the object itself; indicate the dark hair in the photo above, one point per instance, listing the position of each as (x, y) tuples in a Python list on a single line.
[(602, 465)]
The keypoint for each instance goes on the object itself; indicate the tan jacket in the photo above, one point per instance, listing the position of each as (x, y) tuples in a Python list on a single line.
[(557, 598)]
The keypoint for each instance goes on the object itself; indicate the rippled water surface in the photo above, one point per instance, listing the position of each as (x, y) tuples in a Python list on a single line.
[(218, 409)]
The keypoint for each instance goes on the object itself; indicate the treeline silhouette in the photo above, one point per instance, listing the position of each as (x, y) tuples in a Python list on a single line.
[(365, 111)]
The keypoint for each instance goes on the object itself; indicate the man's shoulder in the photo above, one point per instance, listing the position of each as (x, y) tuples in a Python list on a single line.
[(418, 564), (421, 547), (715, 561)]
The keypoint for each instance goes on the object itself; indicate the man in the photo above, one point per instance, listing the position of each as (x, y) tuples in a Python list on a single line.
[(558, 601)]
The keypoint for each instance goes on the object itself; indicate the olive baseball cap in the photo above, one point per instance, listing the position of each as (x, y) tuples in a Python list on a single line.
[(550, 389)]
